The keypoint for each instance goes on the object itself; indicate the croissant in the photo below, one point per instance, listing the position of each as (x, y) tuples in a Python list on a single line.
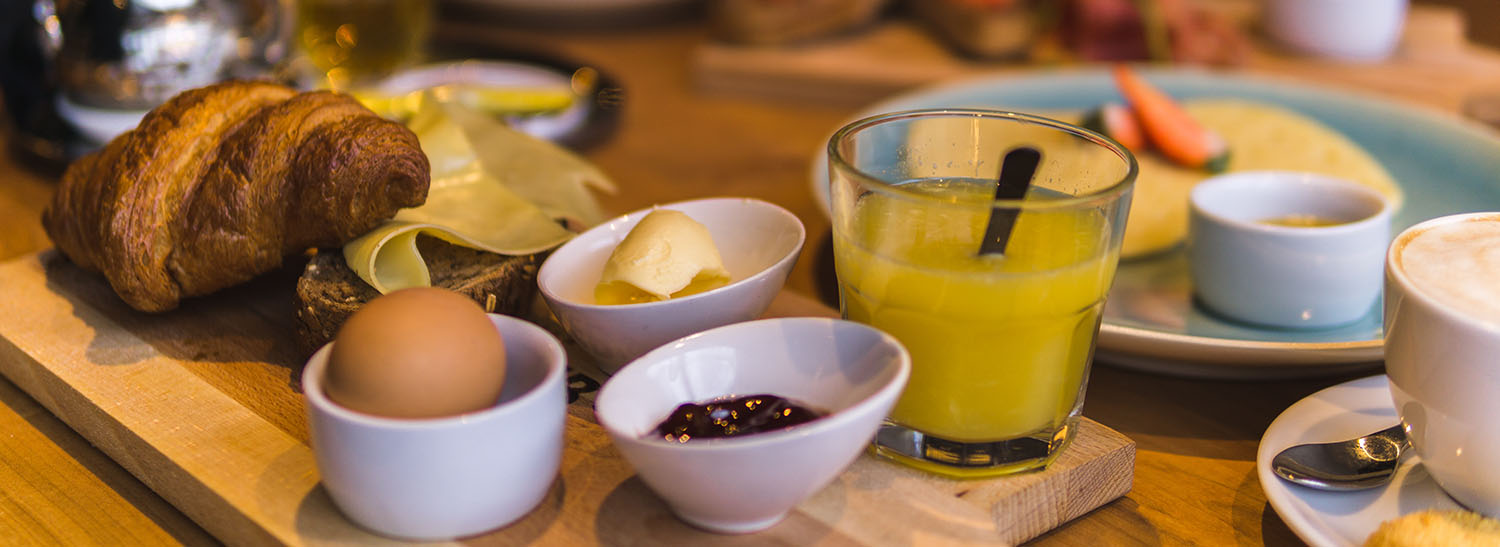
[(220, 183)]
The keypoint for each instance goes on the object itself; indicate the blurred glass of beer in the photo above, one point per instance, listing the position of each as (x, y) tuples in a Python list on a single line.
[(352, 42)]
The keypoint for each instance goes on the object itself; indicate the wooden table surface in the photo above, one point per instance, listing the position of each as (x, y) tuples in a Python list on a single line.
[(1195, 476)]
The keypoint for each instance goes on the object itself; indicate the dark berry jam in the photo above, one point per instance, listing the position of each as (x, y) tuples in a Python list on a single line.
[(733, 416)]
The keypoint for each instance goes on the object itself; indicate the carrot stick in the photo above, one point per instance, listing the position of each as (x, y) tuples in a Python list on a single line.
[(1170, 128), (1117, 122)]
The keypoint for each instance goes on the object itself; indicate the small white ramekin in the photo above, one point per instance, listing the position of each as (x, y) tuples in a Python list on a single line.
[(1346, 30), (1287, 276), (450, 477)]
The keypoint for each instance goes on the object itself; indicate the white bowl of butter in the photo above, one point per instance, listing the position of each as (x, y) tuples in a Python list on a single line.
[(667, 279)]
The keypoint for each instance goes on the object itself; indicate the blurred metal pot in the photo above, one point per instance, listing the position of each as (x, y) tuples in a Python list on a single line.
[(135, 54)]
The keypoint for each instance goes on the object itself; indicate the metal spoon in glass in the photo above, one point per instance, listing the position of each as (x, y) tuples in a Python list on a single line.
[(1355, 464)]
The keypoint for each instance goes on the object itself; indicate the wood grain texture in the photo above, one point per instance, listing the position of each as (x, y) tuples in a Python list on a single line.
[(1433, 64), (42, 483), (203, 420), (1194, 482)]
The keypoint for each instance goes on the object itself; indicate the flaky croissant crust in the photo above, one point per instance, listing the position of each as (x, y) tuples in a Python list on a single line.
[(220, 183)]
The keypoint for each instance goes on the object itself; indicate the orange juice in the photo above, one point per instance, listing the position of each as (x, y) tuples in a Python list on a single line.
[(1000, 345), (353, 41)]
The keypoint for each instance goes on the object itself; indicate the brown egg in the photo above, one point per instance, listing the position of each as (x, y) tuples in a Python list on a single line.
[(416, 353)]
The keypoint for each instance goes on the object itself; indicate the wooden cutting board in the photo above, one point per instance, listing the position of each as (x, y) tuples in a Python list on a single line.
[(202, 404), (1434, 62)]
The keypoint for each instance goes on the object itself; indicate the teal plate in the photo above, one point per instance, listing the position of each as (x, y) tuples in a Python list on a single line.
[(1444, 165)]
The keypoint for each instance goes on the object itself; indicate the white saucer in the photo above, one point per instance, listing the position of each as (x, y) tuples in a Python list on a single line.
[(1342, 412), (499, 74)]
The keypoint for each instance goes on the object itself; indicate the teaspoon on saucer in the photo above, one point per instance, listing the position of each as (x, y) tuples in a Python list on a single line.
[(1355, 464)]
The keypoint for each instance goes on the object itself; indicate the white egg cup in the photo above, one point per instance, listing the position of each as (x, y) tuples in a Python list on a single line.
[(1287, 276), (745, 484), (450, 477), (758, 241)]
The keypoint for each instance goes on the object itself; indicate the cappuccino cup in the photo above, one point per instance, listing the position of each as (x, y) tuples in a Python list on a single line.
[(1442, 350)]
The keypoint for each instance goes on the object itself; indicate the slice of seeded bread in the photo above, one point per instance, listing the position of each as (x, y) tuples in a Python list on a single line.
[(329, 292)]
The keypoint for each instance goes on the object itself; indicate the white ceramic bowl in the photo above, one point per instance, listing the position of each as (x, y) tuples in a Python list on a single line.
[(1349, 30), (443, 478), (758, 241), (1287, 276), (744, 484)]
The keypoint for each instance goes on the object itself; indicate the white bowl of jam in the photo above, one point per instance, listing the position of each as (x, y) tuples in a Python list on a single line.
[(757, 453)]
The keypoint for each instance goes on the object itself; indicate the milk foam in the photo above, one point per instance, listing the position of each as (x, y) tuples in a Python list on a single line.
[(1458, 264)]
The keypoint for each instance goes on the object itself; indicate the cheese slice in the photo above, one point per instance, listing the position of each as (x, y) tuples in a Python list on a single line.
[(471, 200), (667, 255), (494, 101), (548, 175)]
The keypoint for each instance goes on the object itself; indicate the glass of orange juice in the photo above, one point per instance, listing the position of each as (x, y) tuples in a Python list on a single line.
[(354, 42), (1000, 343)]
